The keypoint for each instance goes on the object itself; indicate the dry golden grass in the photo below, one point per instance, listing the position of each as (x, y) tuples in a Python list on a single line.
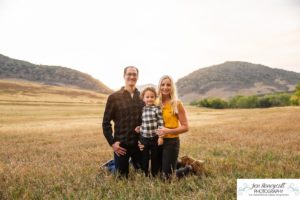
[(248, 143), (51, 150)]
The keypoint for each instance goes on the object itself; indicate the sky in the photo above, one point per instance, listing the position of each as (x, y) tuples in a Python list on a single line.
[(174, 37)]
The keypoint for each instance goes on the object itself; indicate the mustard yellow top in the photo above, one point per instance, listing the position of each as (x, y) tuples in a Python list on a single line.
[(170, 120)]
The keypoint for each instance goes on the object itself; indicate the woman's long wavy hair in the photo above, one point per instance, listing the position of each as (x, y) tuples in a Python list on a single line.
[(173, 94)]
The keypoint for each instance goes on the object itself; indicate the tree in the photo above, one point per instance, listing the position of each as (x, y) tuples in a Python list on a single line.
[(295, 99)]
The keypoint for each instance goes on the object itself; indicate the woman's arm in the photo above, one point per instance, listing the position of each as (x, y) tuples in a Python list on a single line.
[(183, 127), (182, 116)]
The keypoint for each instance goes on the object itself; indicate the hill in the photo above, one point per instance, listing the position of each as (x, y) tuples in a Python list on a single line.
[(26, 92), (49, 75), (235, 78), (141, 87)]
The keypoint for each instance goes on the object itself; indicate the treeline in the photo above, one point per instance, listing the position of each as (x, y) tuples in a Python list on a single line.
[(266, 101)]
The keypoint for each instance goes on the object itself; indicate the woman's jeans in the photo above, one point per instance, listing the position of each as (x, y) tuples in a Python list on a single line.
[(170, 154)]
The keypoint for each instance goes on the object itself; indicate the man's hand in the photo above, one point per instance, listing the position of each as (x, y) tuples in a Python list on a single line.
[(117, 149)]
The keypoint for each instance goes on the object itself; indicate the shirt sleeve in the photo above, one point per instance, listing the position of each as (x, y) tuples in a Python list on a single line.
[(160, 121), (106, 123)]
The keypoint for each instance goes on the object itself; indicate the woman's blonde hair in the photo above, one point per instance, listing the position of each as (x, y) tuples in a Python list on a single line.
[(173, 94)]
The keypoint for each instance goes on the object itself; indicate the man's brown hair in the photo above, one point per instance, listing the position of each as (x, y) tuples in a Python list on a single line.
[(125, 69)]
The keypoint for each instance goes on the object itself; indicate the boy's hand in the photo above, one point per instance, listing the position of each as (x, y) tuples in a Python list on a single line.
[(137, 129), (160, 141), (141, 146)]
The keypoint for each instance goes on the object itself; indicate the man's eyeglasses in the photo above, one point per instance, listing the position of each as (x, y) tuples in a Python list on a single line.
[(132, 74)]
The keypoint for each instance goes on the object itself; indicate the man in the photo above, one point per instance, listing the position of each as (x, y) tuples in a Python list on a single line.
[(124, 108)]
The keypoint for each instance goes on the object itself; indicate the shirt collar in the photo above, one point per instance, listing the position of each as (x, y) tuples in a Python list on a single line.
[(123, 90), (150, 107)]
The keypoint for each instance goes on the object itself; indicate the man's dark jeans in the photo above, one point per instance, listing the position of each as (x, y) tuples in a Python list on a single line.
[(122, 161)]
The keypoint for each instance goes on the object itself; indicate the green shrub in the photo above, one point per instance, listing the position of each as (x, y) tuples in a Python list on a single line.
[(295, 98), (243, 102), (271, 100), (218, 103)]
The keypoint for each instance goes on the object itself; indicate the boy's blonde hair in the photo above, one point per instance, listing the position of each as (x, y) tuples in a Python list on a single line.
[(173, 94), (149, 88)]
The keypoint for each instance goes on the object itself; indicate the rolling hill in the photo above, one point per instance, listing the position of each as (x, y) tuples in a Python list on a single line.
[(235, 78), (141, 87), (49, 75), (27, 92)]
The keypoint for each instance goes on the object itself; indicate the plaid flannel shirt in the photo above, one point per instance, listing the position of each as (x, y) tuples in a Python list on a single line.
[(151, 120), (125, 111)]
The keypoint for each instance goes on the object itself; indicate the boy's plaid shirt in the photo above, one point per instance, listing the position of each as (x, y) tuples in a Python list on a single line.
[(151, 120)]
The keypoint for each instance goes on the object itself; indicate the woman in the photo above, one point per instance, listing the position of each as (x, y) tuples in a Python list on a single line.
[(175, 120)]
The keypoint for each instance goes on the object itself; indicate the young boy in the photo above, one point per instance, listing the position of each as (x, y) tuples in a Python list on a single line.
[(151, 121)]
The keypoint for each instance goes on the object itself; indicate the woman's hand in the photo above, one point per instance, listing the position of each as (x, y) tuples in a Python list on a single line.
[(162, 131)]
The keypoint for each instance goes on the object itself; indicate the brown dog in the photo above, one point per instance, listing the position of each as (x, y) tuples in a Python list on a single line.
[(197, 165)]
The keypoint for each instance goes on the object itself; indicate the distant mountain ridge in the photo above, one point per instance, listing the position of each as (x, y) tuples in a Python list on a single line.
[(235, 78), (141, 87), (50, 75)]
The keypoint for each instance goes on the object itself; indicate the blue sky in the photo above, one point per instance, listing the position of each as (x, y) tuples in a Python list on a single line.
[(159, 37)]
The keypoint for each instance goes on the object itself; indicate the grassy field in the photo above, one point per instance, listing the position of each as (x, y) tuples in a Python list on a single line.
[(51, 147)]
